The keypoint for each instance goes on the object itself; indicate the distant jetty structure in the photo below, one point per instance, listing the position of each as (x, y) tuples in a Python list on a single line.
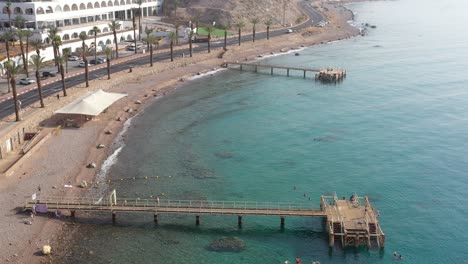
[(328, 75), (348, 222)]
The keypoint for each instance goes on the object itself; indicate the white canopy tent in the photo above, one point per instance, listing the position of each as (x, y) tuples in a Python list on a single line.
[(91, 104)]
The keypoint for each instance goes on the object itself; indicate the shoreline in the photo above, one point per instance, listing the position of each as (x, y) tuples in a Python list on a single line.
[(92, 133)]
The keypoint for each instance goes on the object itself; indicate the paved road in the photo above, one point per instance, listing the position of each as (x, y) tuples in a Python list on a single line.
[(30, 97)]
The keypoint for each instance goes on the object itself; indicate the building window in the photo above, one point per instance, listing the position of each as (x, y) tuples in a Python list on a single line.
[(29, 11), (17, 10)]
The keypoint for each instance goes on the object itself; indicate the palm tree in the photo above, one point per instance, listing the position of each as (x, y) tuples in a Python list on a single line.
[(177, 25), (254, 22), (139, 2), (84, 53), (20, 33), (27, 34), (268, 24), (57, 42), (225, 28), (66, 54), (209, 29), (196, 19), (61, 59), (95, 31), (172, 36), (150, 40), (53, 31), (108, 52), (148, 31), (38, 62), (240, 25), (114, 26), (13, 70), (134, 29), (7, 36), (191, 39), (37, 44), (19, 21), (8, 10)]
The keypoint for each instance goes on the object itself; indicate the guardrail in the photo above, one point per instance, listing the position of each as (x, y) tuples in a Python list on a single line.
[(103, 203)]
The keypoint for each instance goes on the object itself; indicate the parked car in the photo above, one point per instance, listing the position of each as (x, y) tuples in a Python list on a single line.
[(26, 81), (289, 30), (101, 60), (97, 61), (131, 47), (73, 58), (49, 74), (82, 64)]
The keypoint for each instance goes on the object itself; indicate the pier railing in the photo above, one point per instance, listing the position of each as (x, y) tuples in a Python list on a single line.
[(104, 203)]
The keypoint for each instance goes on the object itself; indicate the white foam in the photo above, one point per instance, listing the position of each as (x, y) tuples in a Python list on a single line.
[(282, 53), (205, 74), (118, 144)]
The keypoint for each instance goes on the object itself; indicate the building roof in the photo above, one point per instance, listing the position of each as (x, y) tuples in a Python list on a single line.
[(92, 104)]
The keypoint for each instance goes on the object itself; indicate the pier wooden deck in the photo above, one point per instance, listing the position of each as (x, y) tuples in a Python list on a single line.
[(324, 75), (349, 222)]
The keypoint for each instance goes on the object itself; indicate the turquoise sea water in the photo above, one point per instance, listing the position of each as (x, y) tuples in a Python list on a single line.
[(395, 130)]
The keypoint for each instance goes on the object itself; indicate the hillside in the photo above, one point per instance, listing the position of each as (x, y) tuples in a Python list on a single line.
[(229, 12)]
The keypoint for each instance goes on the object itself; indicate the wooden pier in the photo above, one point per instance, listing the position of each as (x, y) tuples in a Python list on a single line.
[(351, 223), (324, 75)]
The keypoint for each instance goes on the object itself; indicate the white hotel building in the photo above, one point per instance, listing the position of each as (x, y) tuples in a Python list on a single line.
[(75, 16)]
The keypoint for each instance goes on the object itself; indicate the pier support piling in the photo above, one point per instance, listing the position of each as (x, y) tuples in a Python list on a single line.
[(72, 213), (197, 220), (239, 221), (282, 222), (332, 240), (287, 72), (155, 218), (304, 74), (271, 70), (114, 217)]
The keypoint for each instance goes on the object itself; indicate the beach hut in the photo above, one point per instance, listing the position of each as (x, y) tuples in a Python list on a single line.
[(87, 107)]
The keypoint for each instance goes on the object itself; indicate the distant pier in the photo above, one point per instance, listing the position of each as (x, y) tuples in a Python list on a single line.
[(328, 75), (349, 222)]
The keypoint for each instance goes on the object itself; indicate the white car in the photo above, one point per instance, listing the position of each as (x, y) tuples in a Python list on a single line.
[(26, 81), (82, 64), (289, 30), (73, 58)]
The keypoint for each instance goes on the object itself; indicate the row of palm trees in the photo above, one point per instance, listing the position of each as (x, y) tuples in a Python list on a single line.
[(55, 41), (37, 61)]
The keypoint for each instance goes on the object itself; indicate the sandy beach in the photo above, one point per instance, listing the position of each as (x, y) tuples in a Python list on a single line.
[(62, 159)]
